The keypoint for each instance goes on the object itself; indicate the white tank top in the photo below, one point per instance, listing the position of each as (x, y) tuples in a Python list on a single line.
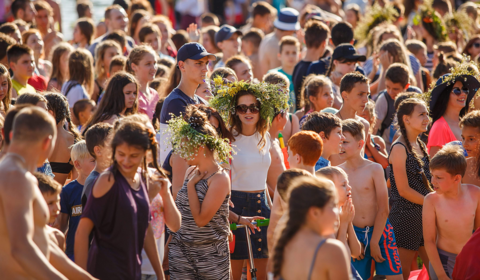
[(249, 164)]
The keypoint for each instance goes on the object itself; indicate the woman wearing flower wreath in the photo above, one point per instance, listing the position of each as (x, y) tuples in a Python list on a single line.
[(199, 249), (249, 109), (449, 101)]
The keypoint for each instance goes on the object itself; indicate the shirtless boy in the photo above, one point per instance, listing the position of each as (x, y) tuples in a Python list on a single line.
[(470, 125), (370, 198), (44, 20), (355, 90), (451, 213), (23, 211)]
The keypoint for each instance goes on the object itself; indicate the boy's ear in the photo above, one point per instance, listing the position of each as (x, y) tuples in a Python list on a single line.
[(361, 143), (97, 150), (12, 65), (77, 164), (279, 56), (344, 94), (458, 178), (322, 135), (298, 159)]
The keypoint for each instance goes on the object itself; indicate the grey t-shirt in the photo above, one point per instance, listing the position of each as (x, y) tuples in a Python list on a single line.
[(88, 186)]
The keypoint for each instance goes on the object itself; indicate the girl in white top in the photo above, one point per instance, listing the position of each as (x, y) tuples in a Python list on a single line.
[(249, 170)]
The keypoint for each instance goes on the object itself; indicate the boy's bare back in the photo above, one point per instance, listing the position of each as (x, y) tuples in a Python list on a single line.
[(454, 219), (365, 182), (21, 202)]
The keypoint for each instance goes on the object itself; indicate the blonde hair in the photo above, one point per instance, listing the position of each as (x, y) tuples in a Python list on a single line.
[(80, 151), (330, 172), (100, 69)]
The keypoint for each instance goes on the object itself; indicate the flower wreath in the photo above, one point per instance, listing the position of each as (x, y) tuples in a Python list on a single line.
[(373, 18), (186, 140), (273, 98), (428, 15)]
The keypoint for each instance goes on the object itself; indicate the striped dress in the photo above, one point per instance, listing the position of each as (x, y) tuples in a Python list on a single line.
[(200, 252)]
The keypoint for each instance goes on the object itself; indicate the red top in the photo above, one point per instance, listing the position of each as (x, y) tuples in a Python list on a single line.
[(38, 82), (467, 266)]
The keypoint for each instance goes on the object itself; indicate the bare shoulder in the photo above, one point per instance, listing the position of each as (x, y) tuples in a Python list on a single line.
[(56, 236), (335, 248), (15, 178), (472, 189), (103, 184), (432, 197), (373, 166)]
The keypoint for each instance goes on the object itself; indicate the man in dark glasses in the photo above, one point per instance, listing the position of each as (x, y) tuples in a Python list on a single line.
[(192, 61)]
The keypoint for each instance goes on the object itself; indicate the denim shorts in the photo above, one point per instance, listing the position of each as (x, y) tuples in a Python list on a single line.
[(249, 205)]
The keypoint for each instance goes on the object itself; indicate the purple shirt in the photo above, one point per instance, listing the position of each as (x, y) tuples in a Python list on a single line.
[(147, 104), (120, 219)]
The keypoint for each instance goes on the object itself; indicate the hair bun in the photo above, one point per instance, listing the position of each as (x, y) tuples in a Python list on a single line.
[(195, 118)]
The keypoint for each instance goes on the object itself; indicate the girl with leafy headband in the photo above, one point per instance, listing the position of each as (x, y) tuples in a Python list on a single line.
[(202, 201), (249, 109)]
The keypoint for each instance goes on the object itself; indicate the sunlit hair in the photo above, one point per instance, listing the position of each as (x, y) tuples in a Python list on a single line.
[(308, 145), (57, 54)]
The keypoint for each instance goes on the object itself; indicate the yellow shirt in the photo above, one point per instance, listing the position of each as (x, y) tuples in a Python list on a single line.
[(22, 89)]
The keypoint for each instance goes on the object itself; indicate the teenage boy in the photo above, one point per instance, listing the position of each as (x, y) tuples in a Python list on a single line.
[(250, 44), (97, 138), (285, 24), (316, 39), (329, 128), (289, 50), (43, 20), (342, 33), (192, 60), (71, 196), (470, 125), (396, 82), (5, 42), (355, 90), (50, 190), (115, 19), (227, 39), (22, 64), (24, 244), (451, 213), (370, 198), (23, 9)]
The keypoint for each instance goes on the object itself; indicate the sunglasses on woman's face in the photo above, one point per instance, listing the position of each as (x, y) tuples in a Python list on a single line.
[(243, 109), (457, 91), (476, 45)]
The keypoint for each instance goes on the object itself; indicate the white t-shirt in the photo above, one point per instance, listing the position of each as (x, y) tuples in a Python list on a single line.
[(76, 93)]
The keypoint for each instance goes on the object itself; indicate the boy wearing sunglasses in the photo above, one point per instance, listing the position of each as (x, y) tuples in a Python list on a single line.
[(192, 60)]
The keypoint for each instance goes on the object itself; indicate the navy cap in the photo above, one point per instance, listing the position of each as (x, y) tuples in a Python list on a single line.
[(225, 32), (193, 51), (347, 51)]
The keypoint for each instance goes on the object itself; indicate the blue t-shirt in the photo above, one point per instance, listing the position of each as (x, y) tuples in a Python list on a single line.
[(321, 163), (71, 204)]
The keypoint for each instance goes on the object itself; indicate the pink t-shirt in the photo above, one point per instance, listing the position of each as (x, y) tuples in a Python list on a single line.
[(440, 134), (147, 104)]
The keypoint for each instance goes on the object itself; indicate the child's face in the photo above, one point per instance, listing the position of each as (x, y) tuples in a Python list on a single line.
[(204, 91), (35, 42), (422, 56), (3, 86), (42, 19), (443, 181), (393, 89), (247, 47), (243, 71), (351, 146), (86, 114), (358, 97), (208, 44), (344, 190), (53, 202), (334, 142), (323, 99), (327, 218), (153, 39), (289, 56), (78, 35), (418, 120), (231, 46), (128, 158), (24, 66), (86, 165), (146, 69), (108, 55), (366, 115), (115, 69), (130, 94), (345, 67), (470, 137)]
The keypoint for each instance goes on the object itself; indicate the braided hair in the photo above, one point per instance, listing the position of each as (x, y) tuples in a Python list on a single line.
[(406, 108), (58, 104), (306, 192)]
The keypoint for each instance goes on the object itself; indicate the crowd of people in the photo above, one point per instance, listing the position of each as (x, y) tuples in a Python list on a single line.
[(343, 135)]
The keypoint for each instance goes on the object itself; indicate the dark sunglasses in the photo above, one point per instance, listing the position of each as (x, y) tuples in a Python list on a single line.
[(476, 45), (457, 91), (242, 109)]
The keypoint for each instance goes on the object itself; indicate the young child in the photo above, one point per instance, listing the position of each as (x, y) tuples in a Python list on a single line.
[(104, 53), (470, 125), (355, 90), (318, 92), (80, 84), (225, 73), (22, 64), (303, 250), (451, 213), (370, 197), (59, 75), (50, 190), (97, 138), (71, 195), (419, 50), (369, 115), (250, 45), (142, 64), (117, 64), (242, 67), (83, 110), (288, 56), (329, 127)]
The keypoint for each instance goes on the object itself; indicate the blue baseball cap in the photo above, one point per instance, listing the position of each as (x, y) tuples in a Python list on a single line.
[(225, 32), (193, 51)]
